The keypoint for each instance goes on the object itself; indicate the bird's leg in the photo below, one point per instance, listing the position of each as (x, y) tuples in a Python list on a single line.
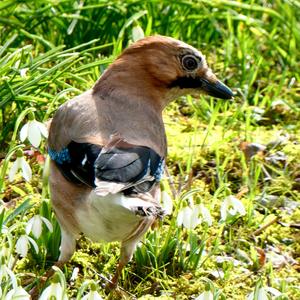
[(127, 250), (67, 245), (114, 281), (67, 248)]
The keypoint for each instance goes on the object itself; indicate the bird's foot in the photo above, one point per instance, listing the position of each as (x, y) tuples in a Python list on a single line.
[(150, 211), (35, 291), (119, 294), (114, 291)]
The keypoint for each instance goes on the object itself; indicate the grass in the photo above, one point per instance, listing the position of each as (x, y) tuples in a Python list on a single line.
[(53, 50)]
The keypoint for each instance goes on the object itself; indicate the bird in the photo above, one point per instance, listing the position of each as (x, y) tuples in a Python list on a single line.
[(108, 145)]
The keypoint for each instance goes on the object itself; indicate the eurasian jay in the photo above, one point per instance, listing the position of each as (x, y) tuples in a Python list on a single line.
[(108, 145)]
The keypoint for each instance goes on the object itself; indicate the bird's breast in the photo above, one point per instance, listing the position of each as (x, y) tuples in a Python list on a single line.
[(114, 217)]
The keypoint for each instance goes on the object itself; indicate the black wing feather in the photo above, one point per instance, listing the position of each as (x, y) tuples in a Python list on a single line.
[(80, 167), (122, 165)]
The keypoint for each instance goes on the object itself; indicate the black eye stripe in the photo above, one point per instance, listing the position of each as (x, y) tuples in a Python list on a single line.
[(189, 62)]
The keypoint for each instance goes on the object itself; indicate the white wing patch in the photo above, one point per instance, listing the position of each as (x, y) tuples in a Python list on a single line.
[(103, 188), (84, 160)]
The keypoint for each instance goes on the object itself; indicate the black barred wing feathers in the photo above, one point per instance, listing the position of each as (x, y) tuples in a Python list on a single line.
[(117, 167)]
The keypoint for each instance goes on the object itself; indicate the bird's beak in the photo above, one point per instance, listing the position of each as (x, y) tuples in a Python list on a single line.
[(216, 89)]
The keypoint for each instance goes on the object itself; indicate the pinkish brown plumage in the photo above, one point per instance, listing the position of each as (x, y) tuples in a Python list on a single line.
[(108, 145)]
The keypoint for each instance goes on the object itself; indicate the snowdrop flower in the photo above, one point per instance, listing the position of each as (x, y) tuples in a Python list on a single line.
[(2, 272), (206, 295), (23, 72), (218, 273), (167, 203), (221, 259), (7, 260), (190, 217), (20, 163), (261, 295), (206, 216), (7, 274), (34, 225), (33, 130), (137, 33), (92, 295), (17, 293), (23, 244), (231, 206), (74, 274), (273, 291), (54, 291)]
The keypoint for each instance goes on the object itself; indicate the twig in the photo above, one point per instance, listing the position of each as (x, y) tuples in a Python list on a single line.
[(293, 225), (171, 183), (189, 183), (259, 230)]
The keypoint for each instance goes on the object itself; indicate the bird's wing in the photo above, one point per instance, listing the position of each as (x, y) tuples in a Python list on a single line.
[(117, 166)]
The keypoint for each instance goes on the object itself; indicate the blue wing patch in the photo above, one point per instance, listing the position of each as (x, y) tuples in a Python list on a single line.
[(159, 172), (60, 157)]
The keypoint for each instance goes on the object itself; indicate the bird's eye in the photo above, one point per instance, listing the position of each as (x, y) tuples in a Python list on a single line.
[(189, 62)]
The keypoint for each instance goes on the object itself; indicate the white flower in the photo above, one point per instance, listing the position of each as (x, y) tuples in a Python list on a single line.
[(206, 216), (20, 163), (206, 295), (190, 217), (23, 244), (261, 295), (23, 72), (54, 291), (273, 291), (92, 295), (8, 273), (221, 259), (74, 274), (2, 272), (34, 225), (137, 33), (281, 103), (231, 206), (6, 256), (217, 273), (33, 130), (17, 294), (167, 203)]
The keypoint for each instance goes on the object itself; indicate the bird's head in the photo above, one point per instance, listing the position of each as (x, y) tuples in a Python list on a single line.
[(163, 68)]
